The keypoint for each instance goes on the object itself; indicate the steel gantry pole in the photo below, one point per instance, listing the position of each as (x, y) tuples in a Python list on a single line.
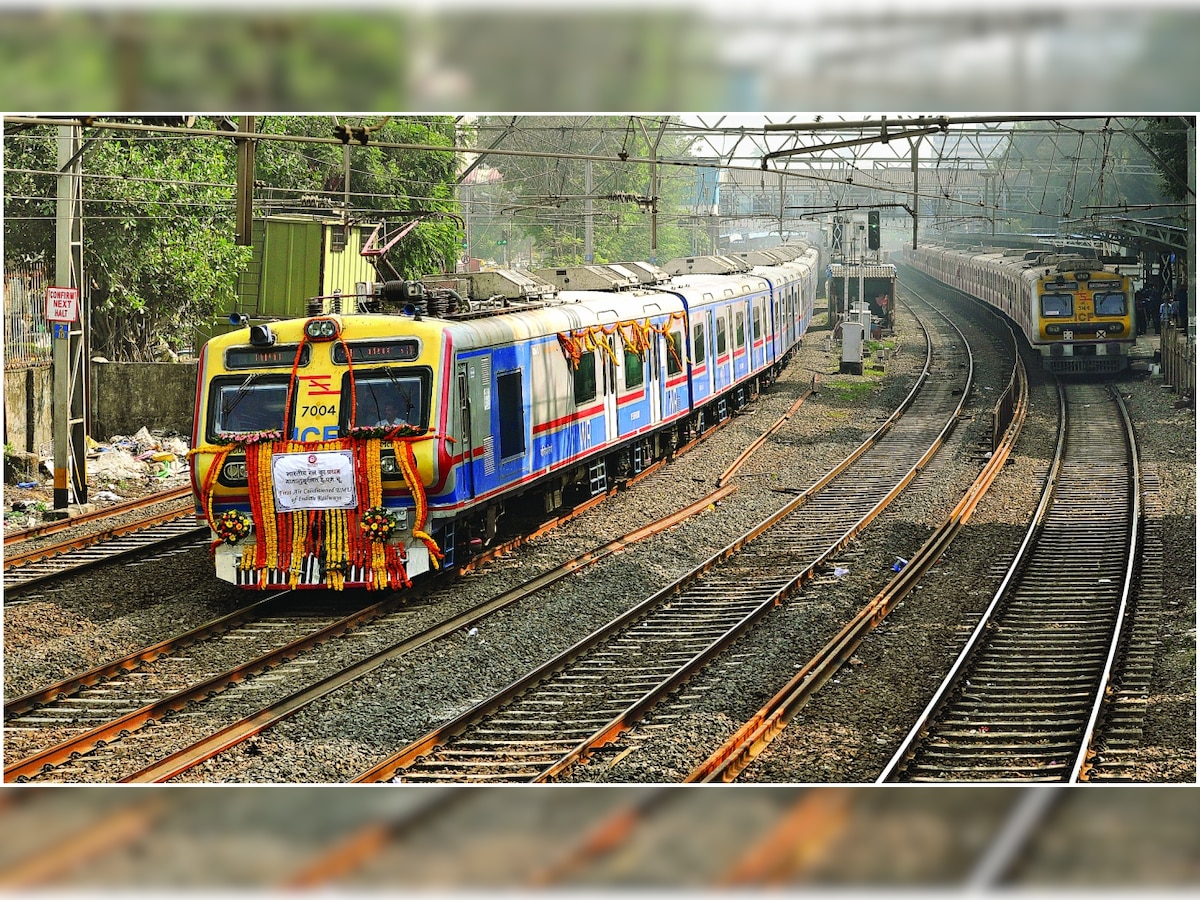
[(70, 337)]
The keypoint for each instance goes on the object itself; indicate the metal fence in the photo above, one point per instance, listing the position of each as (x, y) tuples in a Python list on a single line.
[(26, 332), (1178, 360)]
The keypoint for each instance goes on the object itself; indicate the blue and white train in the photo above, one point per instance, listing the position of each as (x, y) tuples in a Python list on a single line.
[(363, 449)]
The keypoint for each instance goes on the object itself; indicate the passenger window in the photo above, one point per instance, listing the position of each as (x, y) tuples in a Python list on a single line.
[(674, 352), (512, 414), (721, 339), (757, 323), (699, 351), (633, 369), (585, 378), (740, 330)]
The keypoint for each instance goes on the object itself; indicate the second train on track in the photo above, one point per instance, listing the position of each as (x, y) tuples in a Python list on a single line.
[(1076, 313), (363, 449)]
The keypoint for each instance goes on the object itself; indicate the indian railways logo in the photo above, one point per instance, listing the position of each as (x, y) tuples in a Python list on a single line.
[(312, 459)]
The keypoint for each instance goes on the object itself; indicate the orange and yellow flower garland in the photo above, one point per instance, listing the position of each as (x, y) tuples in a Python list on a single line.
[(634, 335), (285, 541)]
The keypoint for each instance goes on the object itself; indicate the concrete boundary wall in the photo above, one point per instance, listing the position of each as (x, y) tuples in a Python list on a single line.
[(125, 397)]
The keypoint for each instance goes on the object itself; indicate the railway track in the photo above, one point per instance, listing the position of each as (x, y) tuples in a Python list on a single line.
[(37, 564), (106, 705), (752, 738), (1023, 699), (540, 725)]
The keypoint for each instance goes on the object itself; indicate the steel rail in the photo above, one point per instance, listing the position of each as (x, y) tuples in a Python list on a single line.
[(56, 755), (1056, 728), (980, 629), (36, 566), (744, 745), (191, 756), (25, 534), (18, 706), (1082, 765), (672, 594)]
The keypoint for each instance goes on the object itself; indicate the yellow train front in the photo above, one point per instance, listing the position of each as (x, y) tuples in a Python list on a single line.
[(1076, 314), (313, 450), (1082, 316)]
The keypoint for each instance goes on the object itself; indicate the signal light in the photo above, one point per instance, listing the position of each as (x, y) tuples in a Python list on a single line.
[(873, 229)]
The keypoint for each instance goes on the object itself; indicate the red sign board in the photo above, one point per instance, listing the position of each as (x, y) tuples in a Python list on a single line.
[(62, 304)]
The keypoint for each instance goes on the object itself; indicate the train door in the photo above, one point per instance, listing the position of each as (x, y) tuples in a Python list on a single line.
[(474, 393), (609, 385), (702, 356), (654, 375), (723, 376)]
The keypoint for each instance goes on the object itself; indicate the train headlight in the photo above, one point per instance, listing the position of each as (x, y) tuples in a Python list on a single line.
[(321, 329), (1115, 327), (234, 470), (388, 465), (1056, 349)]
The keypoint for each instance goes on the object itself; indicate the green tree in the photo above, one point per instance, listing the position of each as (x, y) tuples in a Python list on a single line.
[(1166, 137), (386, 183), (159, 252), (158, 242)]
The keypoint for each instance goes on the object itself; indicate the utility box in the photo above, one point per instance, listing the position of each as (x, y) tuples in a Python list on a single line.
[(852, 348)]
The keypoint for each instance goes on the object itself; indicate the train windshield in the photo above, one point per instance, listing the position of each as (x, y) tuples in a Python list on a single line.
[(241, 405), (1057, 305), (391, 398), (1109, 303)]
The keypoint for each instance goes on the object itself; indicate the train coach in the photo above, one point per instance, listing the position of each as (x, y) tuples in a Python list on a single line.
[(364, 449), (1076, 313)]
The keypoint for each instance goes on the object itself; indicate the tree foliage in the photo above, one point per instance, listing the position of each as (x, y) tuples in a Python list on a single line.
[(159, 253), (1167, 137), (386, 183), (158, 246)]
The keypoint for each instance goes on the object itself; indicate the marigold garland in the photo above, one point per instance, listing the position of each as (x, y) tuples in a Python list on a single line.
[(635, 336), (286, 541)]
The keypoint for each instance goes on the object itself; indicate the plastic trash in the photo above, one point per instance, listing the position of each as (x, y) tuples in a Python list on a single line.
[(109, 496), (27, 484), (899, 564), (473, 631), (838, 571)]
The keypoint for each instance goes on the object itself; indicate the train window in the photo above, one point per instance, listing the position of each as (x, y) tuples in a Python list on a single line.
[(757, 323), (634, 370), (239, 405), (1109, 303), (585, 378), (389, 398), (722, 340), (740, 328), (699, 351), (675, 352), (1057, 305), (511, 410)]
